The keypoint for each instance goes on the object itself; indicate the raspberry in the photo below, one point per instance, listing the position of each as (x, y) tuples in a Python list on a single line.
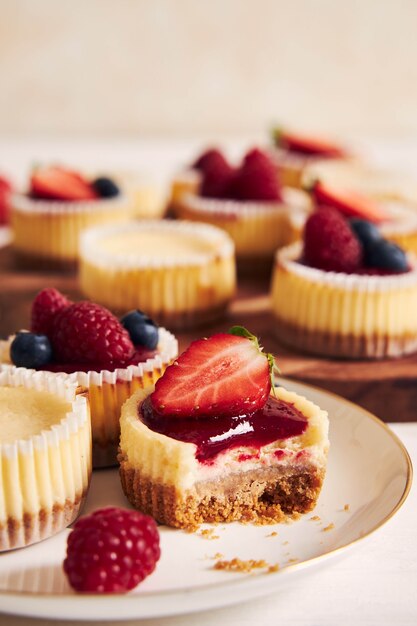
[(330, 244), (256, 179), (111, 551), (217, 174), (45, 306), (207, 159), (86, 332)]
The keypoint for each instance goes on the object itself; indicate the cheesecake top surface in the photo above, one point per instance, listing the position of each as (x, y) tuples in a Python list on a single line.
[(153, 244), (27, 412)]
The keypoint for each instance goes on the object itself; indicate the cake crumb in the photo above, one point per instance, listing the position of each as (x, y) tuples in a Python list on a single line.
[(273, 568), (346, 507), (273, 534), (285, 543), (293, 560), (217, 556), (239, 565), (329, 527), (208, 533), (315, 518)]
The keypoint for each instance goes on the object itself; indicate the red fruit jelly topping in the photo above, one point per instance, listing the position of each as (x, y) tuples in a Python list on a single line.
[(276, 420)]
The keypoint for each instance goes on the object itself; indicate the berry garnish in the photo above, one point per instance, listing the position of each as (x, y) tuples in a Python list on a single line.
[(142, 330), (256, 179), (226, 374), (5, 191), (330, 244), (217, 178), (305, 144), (105, 187), (45, 306), (366, 232), (86, 332), (111, 551), (208, 158), (30, 350), (57, 183), (385, 255), (350, 203)]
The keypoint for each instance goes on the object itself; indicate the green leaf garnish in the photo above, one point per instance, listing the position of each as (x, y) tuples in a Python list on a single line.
[(241, 331)]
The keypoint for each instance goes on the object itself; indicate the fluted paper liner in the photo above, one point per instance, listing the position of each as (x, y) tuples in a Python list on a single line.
[(50, 230), (178, 292), (343, 315), (44, 478), (108, 390), (258, 229)]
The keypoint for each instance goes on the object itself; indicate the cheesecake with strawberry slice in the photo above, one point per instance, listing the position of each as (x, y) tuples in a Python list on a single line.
[(215, 441), (59, 203), (295, 152)]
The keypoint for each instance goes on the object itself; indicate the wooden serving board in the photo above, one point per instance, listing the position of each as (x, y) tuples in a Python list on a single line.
[(387, 388)]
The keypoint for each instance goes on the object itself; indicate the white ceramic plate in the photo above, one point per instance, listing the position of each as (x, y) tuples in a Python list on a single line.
[(368, 478)]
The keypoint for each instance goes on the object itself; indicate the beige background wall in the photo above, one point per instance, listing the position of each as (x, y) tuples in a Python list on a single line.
[(177, 67)]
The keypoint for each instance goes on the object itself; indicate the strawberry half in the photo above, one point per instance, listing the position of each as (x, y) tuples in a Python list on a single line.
[(5, 191), (305, 144), (350, 203), (56, 183), (224, 375)]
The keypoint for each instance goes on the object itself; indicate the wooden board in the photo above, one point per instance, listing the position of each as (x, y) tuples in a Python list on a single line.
[(387, 388)]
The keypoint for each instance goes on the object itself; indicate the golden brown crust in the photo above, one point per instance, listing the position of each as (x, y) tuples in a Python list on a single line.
[(344, 346), (34, 527), (263, 496)]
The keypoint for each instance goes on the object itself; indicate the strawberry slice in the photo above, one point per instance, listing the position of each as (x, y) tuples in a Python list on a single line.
[(5, 191), (306, 144), (350, 203), (56, 183), (224, 375)]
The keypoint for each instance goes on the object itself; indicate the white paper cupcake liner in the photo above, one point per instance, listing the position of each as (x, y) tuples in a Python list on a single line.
[(45, 477)]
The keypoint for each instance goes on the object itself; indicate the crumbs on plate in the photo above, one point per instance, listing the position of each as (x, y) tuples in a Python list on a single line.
[(329, 527), (208, 533), (239, 565)]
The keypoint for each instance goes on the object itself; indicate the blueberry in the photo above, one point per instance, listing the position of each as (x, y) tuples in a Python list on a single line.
[(386, 255), (142, 330), (366, 232), (105, 187), (30, 350)]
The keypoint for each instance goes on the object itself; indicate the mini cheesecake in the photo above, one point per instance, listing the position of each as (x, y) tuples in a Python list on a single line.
[(343, 315), (47, 220), (183, 274), (264, 464), (45, 454)]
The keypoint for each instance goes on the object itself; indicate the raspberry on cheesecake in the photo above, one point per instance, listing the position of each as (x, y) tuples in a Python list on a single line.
[(213, 441)]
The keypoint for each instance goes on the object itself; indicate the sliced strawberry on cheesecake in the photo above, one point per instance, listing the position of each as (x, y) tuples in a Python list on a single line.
[(307, 144), (212, 443), (57, 183), (350, 203), (226, 374)]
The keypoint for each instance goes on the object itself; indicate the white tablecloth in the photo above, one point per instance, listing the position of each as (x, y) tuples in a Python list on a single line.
[(374, 585)]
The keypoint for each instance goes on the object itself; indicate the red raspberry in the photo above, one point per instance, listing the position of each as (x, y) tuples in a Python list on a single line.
[(86, 332), (111, 551), (208, 158), (44, 308), (330, 244), (257, 179), (217, 174)]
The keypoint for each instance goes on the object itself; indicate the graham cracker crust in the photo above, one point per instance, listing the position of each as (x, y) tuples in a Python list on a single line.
[(373, 346), (184, 320), (261, 496), (34, 527)]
